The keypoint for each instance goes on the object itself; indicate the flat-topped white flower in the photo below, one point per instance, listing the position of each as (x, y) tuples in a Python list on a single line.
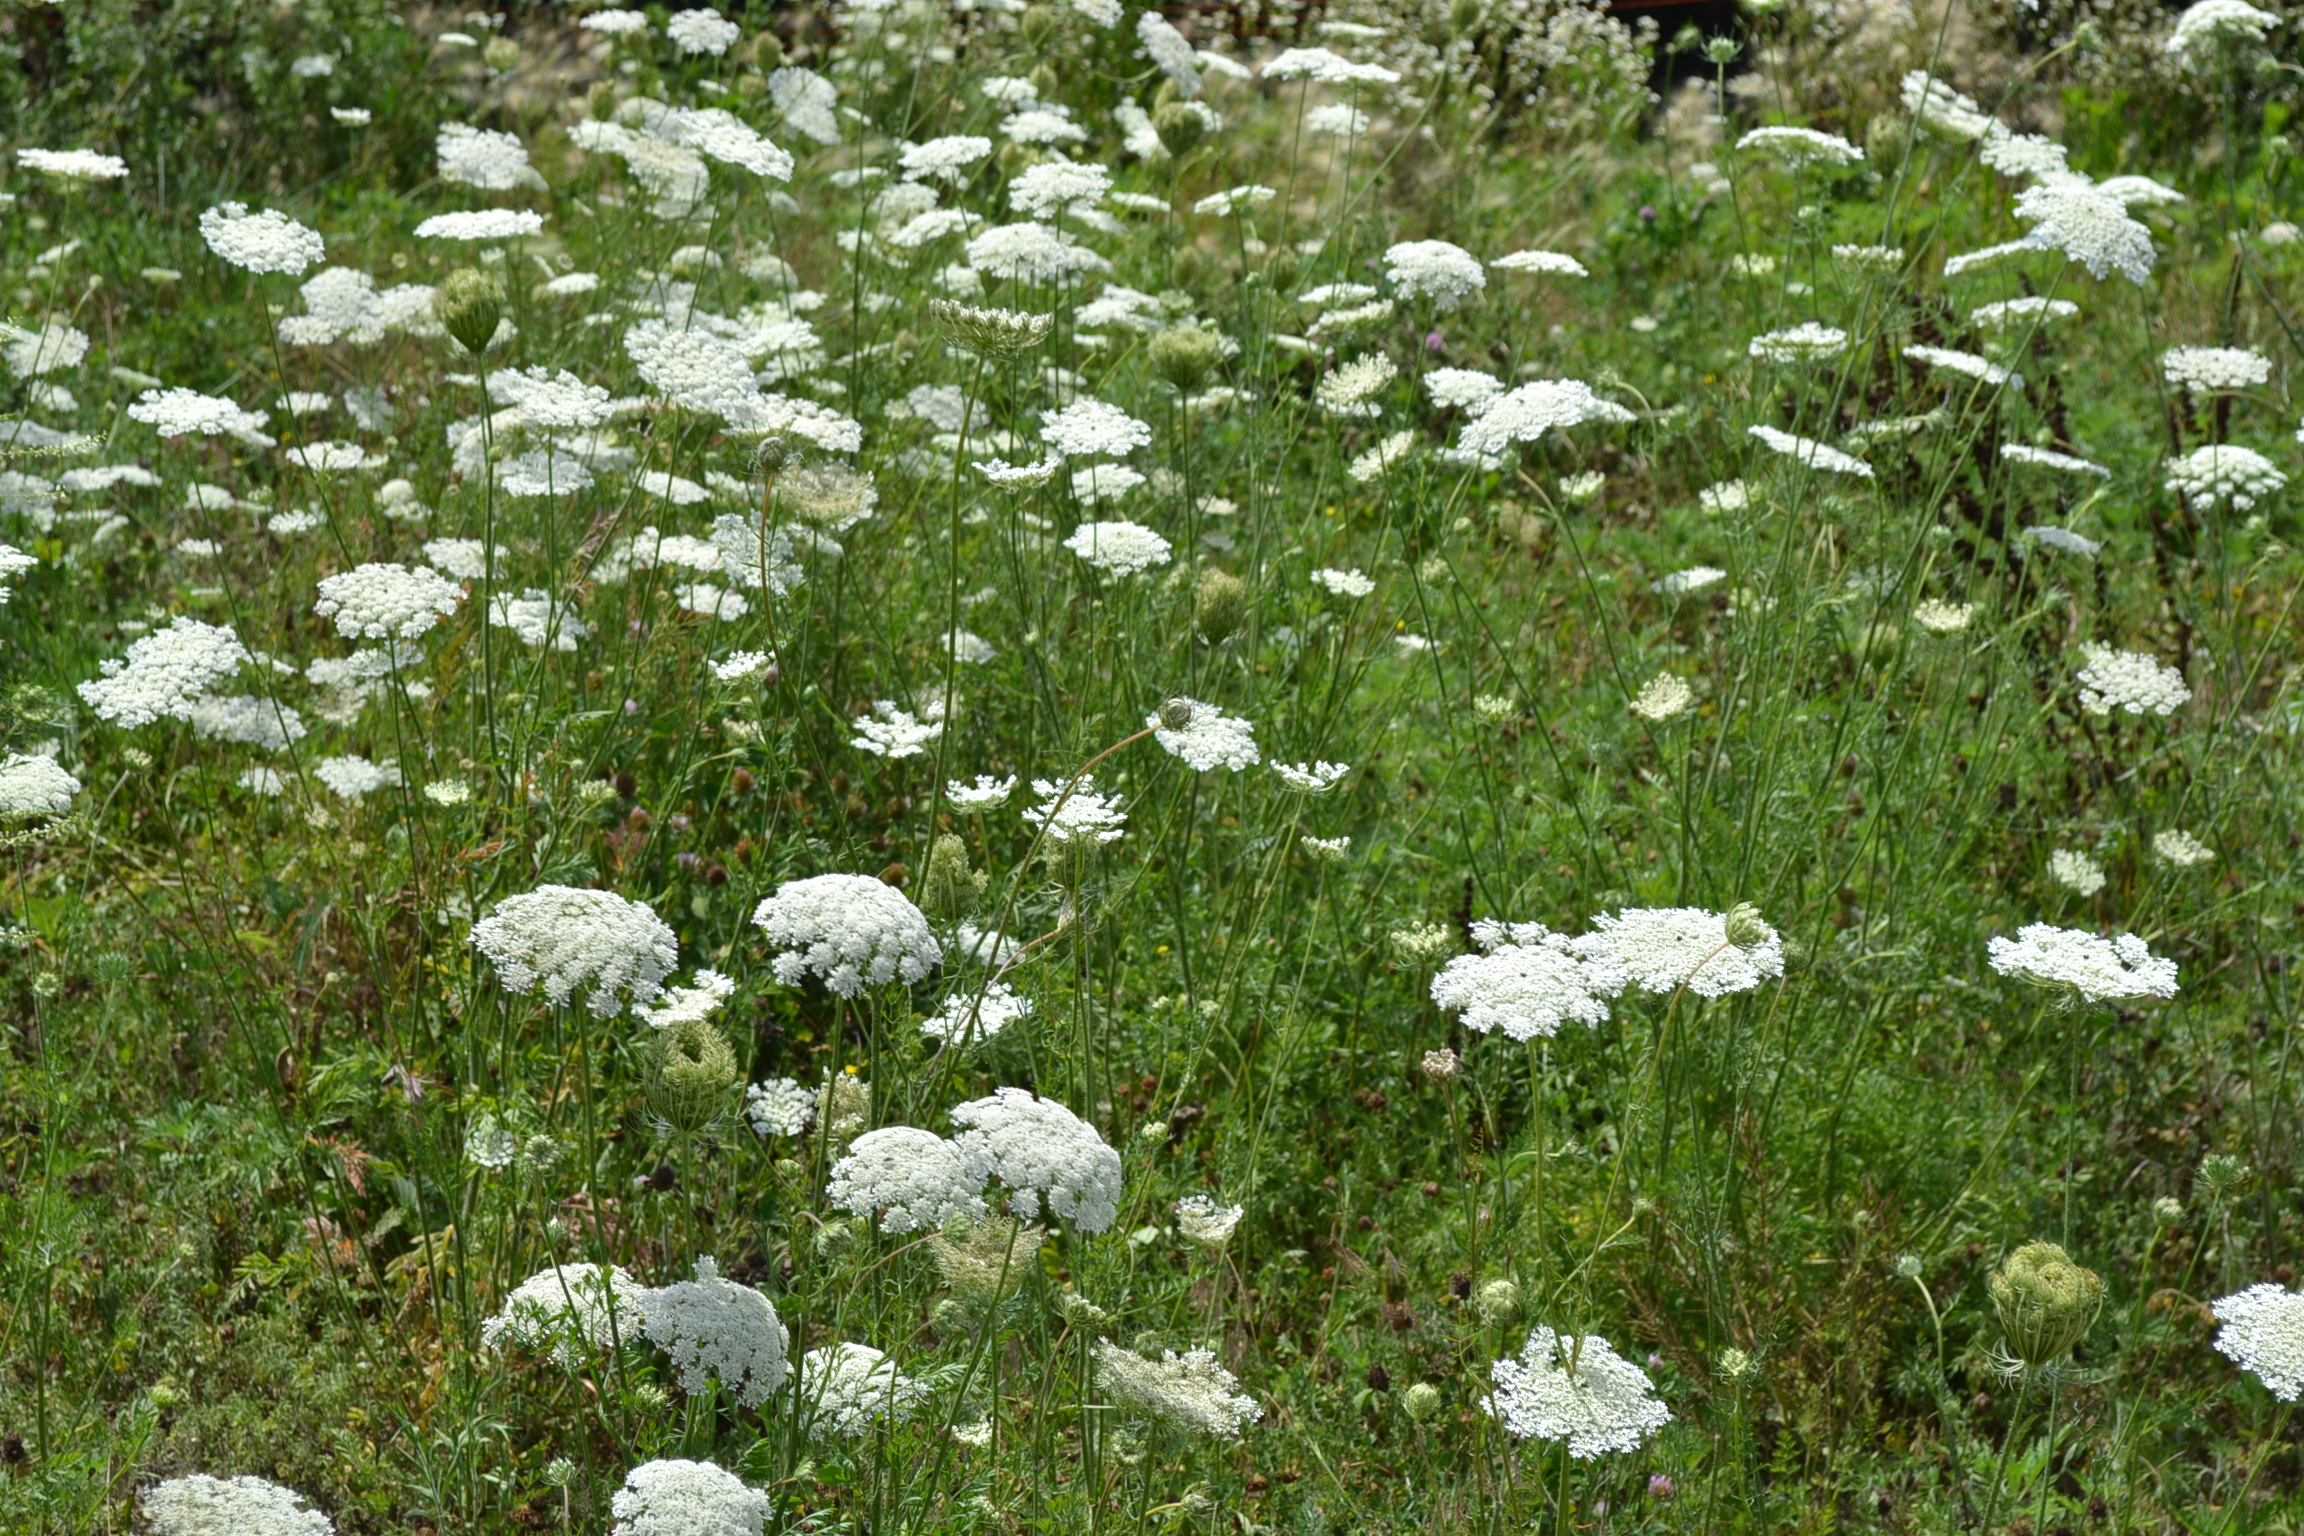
[(481, 224), (2263, 1334), (2216, 370), (2089, 228), (33, 785), (845, 1389), (73, 164), (569, 1311), (1806, 342), (382, 601), (1817, 456), (187, 412), (268, 241), (1526, 414), (1445, 274), (898, 733), (164, 673), (1201, 1219), (715, 1329), (2075, 871), (1118, 548), (908, 1178), (1046, 1156), (702, 31), (1527, 981), (1661, 949), (1576, 1391), (1466, 389), (1093, 429), (1312, 778), (687, 1498), (2130, 682), (952, 158), (691, 1004), (1939, 107), (2181, 848), (967, 1019), (2208, 26), (2091, 967), (559, 939), (481, 157), (850, 931), (200, 1505), (1981, 369), (2224, 472), (985, 794), (1552, 263), (1322, 67), (1207, 739), (1802, 146), (1191, 1390), (2048, 458), (2032, 308), (1354, 583)]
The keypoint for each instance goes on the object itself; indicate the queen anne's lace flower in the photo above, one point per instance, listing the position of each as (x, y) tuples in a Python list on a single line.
[(560, 938), (269, 241), (687, 1498), (2009, 312), (1578, 1391), (481, 224), (1806, 342), (201, 1505), (1118, 548), (1818, 456), (1350, 389), (1981, 369), (558, 402), (852, 931), (2263, 1333), (1663, 697), (949, 159), (568, 1310), (73, 164), (1661, 949), (2224, 472), (910, 1178), (847, 1388), (1525, 414), (184, 412), (1083, 815), (383, 601), (32, 785), (1942, 618), (1044, 1154), (2181, 848), (2094, 968), (968, 1020), (1192, 1390), (702, 31), (1433, 269), (1527, 981), (2076, 871), (1030, 253), (715, 1328), (1550, 262), (1312, 778), (479, 157), (1939, 107), (2048, 458), (2088, 227), (1209, 738), (691, 1004), (1201, 1220), (2129, 681), (2216, 370), (1092, 429), (53, 348), (779, 1107), (986, 794), (163, 673), (1466, 389), (1802, 146), (896, 733), (1349, 584), (1322, 67), (2209, 25)]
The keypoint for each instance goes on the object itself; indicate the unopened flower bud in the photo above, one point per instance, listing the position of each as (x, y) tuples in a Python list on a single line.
[(1499, 1303), (2046, 1302), (1421, 1401), (1907, 1266), (771, 455), (767, 50), (1733, 1366), (1154, 1133), (501, 54), (694, 1075), (950, 894), (1039, 26), (470, 303), (2167, 1211), (1721, 50), (1181, 126), (834, 1238), (999, 332), (1220, 605), (1185, 355), (1442, 1065), (2221, 1173), (1083, 1314), (1175, 714), (952, 1318)]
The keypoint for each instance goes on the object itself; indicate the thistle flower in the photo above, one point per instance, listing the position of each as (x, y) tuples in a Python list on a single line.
[(908, 1178), (2129, 681), (269, 241), (1191, 1390), (847, 1388), (852, 931), (1207, 739), (2263, 1334), (1662, 949), (687, 1498), (2085, 965), (567, 1310), (715, 1328), (559, 938), (2046, 1303), (1526, 981), (1045, 1155), (1578, 1391), (200, 1505)]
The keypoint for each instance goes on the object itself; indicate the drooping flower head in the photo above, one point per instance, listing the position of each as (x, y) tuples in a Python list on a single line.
[(560, 938), (851, 931)]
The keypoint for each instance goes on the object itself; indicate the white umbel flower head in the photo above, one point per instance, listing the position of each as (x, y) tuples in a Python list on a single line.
[(716, 1329), (1092, 429), (1941, 618), (1817, 456), (482, 224), (1945, 110), (1205, 1222), (186, 412), (1527, 981), (968, 1020), (269, 241), (2093, 968), (2129, 681), (687, 1498), (847, 1388), (2076, 871), (2224, 472), (1045, 1155), (2216, 370), (559, 938), (1525, 414), (702, 31), (851, 931), (1806, 342), (1577, 1391), (568, 1310), (1663, 697), (897, 733), (691, 1004), (383, 601), (1083, 814), (72, 164), (1191, 1390), (2209, 26), (200, 1505), (164, 674), (32, 785), (1118, 548), (2263, 1334), (1662, 949), (2049, 458), (1208, 739), (480, 157), (1802, 146), (1433, 269), (911, 1179), (779, 1107), (1312, 778), (1549, 263), (2181, 848), (2089, 228)]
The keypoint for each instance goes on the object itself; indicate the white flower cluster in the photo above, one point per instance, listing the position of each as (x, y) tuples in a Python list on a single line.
[(898, 733), (1552, 263), (1191, 1390), (1662, 949), (1663, 697), (2181, 848), (537, 620), (200, 1505), (2129, 681), (2049, 458), (851, 931), (479, 157), (1208, 740), (1802, 146), (381, 601), (1435, 270), (1527, 981), (73, 164), (716, 1329), (561, 938), (2223, 472), (1045, 1155), (568, 1311), (847, 1388), (482, 224), (1202, 1220), (2207, 26), (185, 412), (1093, 429), (1525, 414), (1464, 389), (269, 241), (702, 31), (2216, 370), (1981, 369), (1941, 618), (910, 1179), (2075, 871), (1118, 548), (2263, 1333), (1577, 1391), (1817, 456), (32, 785), (51, 349), (691, 1004), (1083, 814), (968, 1020), (2089, 228), (687, 1498), (1802, 343), (779, 1107), (2092, 967), (164, 673)]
